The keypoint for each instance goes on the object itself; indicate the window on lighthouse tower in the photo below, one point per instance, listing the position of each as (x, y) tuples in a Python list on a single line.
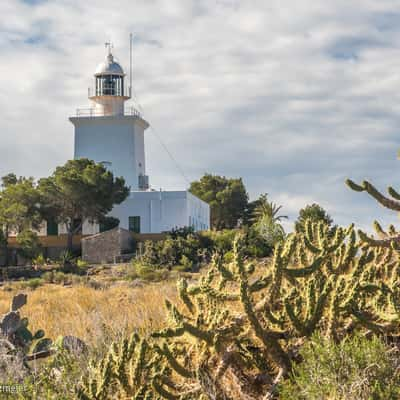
[(109, 85)]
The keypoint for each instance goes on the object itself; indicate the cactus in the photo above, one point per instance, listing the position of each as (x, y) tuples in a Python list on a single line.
[(125, 372), (18, 336), (317, 281), (239, 328), (387, 239)]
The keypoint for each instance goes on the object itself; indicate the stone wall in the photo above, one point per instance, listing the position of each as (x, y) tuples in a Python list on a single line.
[(106, 247)]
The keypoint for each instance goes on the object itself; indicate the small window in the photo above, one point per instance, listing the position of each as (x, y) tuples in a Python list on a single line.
[(52, 228), (134, 224)]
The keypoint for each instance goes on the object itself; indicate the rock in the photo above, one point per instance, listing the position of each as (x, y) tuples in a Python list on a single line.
[(18, 301), (73, 344), (6, 346), (10, 323)]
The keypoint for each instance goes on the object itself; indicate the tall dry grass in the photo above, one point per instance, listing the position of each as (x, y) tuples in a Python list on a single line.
[(96, 316)]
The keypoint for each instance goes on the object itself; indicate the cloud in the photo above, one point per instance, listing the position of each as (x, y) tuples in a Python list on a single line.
[(292, 96)]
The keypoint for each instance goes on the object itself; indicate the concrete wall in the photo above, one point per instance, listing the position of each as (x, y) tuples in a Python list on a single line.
[(118, 140), (198, 213), (163, 211)]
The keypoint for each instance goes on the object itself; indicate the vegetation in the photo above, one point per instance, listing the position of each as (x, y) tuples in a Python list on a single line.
[(248, 325), (357, 368), (81, 190), (317, 320), (227, 198), (19, 345), (29, 244), (19, 207), (191, 250), (389, 238), (313, 212)]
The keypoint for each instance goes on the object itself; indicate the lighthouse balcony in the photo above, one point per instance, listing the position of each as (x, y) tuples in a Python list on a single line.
[(102, 112)]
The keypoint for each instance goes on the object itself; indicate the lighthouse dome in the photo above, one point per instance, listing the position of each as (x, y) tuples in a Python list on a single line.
[(109, 67)]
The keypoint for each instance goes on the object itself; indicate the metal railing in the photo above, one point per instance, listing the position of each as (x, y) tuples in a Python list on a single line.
[(94, 112)]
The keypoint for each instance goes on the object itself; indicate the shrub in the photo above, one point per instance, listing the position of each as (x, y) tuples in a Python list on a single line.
[(39, 261), (186, 263), (181, 232), (169, 252), (196, 248), (257, 245), (66, 259), (220, 241), (32, 284), (29, 244), (81, 264), (59, 278), (148, 273), (356, 368)]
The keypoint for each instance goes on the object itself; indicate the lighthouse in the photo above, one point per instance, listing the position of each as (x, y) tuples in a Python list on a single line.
[(111, 132), (108, 132)]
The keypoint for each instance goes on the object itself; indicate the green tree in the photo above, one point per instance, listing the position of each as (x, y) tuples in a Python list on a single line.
[(19, 207), (78, 191), (108, 222), (9, 179), (263, 217), (29, 244), (227, 198), (313, 212), (263, 208)]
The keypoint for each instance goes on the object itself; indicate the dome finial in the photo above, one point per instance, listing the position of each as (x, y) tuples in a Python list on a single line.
[(108, 46), (109, 66)]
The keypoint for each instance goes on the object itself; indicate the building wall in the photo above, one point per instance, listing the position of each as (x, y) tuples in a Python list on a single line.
[(161, 211), (118, 140), (107, 246), (198, 213)]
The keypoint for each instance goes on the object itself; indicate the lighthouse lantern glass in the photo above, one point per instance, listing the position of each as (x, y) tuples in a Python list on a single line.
[(109, 85)]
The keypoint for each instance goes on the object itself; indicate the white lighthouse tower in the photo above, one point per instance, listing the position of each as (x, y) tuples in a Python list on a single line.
[(111, 133)]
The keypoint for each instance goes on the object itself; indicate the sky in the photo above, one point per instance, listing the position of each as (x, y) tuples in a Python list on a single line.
[(292, 96)]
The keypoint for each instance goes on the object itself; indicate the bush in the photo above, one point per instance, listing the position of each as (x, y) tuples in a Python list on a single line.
[(220, 241), (186, 263), (62, 278), (148, 273), (257, 245), (191, 249), (81, 264), (39, 261), (170, 252), (29, 244), (181, 232), (356, 368), (32, 284)]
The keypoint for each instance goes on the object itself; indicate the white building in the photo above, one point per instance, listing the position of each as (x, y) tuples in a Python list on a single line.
[(113, 134)]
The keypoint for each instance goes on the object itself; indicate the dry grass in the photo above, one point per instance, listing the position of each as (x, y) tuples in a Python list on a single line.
[(96, 316)]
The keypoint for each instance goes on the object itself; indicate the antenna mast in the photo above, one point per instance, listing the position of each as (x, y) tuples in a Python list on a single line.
[(130, 58)]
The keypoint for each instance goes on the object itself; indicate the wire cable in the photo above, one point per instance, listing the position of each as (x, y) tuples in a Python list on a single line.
[(163, 145)]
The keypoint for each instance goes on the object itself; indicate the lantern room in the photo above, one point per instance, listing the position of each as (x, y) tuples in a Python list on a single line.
[(109, 78), (109, 92)]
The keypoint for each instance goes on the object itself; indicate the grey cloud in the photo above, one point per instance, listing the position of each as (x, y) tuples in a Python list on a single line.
[(293, 96)]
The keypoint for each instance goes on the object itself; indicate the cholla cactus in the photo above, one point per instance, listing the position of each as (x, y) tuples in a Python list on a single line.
[(390, 238), (238, 330), (240, 325), (125, 373)]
